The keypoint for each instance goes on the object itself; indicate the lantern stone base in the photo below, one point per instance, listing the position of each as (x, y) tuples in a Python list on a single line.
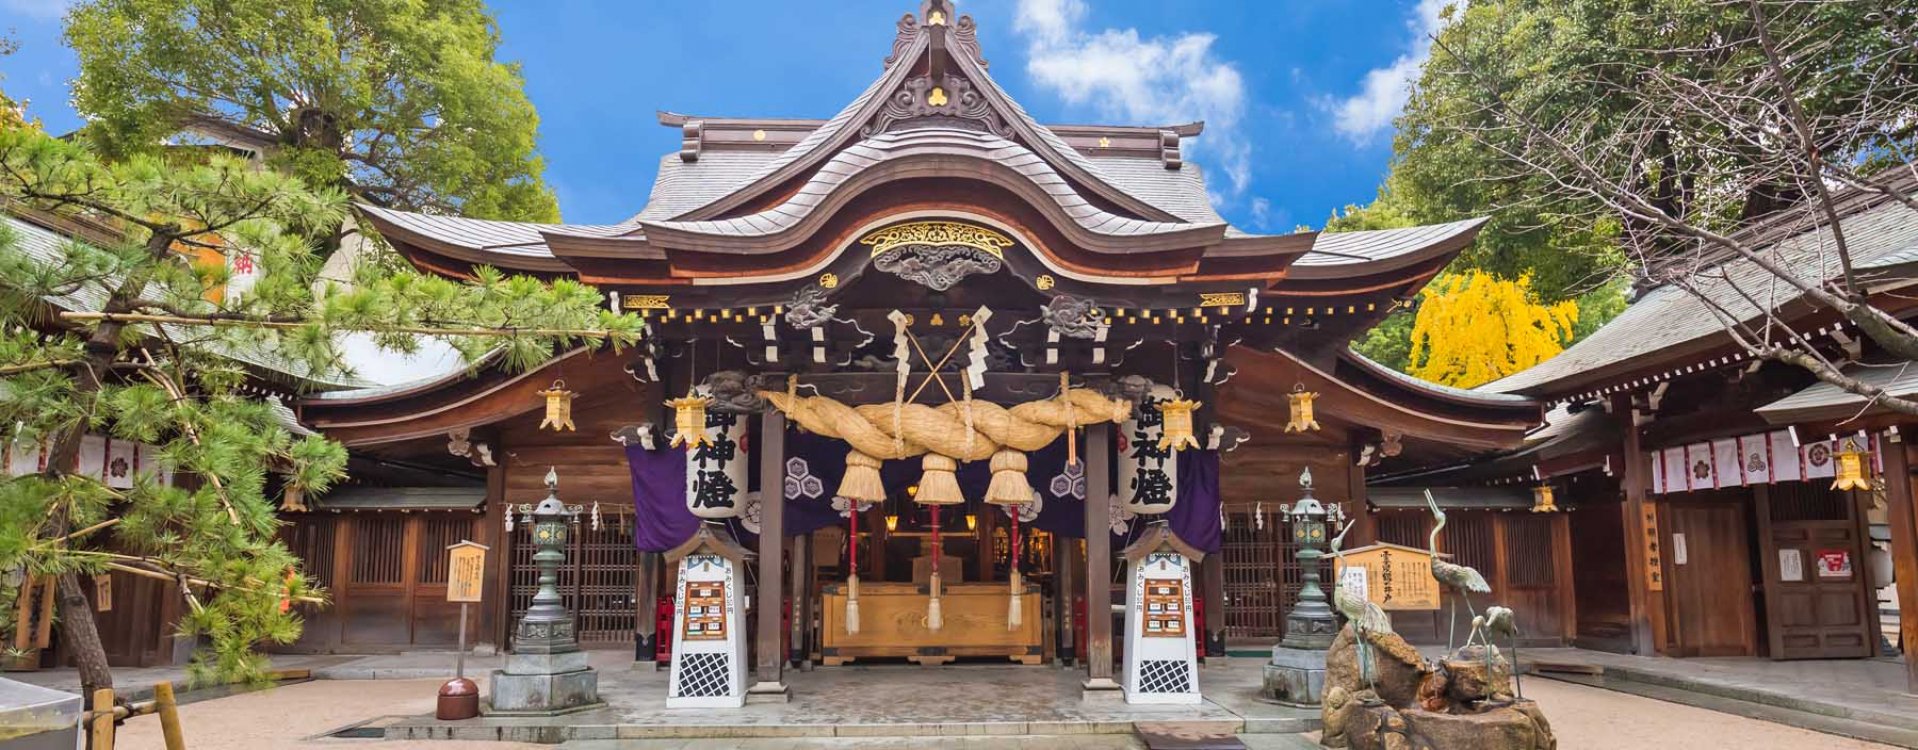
[(544, 685), (1295, 676)]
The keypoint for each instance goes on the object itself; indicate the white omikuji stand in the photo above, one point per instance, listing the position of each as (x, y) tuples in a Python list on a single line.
[(709, 633), (1161, 653)]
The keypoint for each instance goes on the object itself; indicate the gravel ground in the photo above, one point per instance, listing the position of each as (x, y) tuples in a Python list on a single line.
[(1584, 718), (284, 717)]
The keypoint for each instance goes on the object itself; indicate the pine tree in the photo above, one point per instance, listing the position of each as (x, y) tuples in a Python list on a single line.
[(131, 339)]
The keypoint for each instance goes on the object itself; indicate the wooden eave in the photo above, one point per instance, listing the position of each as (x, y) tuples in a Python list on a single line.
[(438, 406), (1158, 535), (1257, 395)]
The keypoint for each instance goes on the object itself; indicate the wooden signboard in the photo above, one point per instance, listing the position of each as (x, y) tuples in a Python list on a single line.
[(705, 611), (465, 571), (1397, 577), (1164, 608)]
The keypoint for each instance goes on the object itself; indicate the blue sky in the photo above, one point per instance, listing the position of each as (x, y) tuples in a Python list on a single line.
[(1298, 95)]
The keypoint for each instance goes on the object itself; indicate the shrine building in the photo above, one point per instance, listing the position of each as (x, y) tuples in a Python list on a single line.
[(929, 381)]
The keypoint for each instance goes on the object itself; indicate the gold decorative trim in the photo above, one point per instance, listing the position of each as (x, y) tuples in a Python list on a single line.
[(1221, 299), (828, 280), (646, 302), (937, 233)]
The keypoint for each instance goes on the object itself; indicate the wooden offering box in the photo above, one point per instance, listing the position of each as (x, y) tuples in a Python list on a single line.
[(892, 619)]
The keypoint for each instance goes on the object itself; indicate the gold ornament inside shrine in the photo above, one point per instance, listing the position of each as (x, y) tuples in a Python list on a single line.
[(1851, 467), (1301, 403), (559, 407), (689, 421)]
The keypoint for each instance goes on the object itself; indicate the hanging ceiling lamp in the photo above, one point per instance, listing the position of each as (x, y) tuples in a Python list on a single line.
[(559, 407), (1542, 501), (1851, 467), (689, 419), (1301, 402), (1177, 428)]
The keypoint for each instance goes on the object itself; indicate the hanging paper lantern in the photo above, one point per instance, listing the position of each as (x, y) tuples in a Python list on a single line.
[(1542, 501), (716, 461), (559, 407), (1301, 401), (689, 420), (1178, 425), (1148, 481), (1851, 467)]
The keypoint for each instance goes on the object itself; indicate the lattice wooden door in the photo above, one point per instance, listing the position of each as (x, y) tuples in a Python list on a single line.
[(597, 583)]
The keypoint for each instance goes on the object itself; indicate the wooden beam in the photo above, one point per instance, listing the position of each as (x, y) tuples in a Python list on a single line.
[(1063, 599), (1904, 551), (767, 658), (1098, 646), (801, 596)]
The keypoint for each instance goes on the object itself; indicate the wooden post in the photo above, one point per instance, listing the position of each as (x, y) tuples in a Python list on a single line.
[(767, 659), (802, 600), (169, 711), (1064, 595), (1098, 646), (646, 591), (1212, 570), (100, 726), (1904, 550), (1647, 606)]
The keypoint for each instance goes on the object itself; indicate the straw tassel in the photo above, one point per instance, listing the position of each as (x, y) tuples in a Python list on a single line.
[(938, 485), (861, 483), (1008, 486)]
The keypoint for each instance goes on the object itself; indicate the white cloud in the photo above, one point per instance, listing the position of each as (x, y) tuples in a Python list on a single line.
[(1140, 80), (38, 8), (1384, 91)]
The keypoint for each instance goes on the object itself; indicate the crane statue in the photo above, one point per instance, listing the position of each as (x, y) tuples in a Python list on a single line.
[(1366, 617), (1459, 578), (1502, 621)]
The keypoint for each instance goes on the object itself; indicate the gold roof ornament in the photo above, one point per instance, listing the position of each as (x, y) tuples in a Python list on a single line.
[(1301, 403), (689, 421), (1176, 432), (937, 97), (1542, 500), (559, 408), (1851, 467), (936, 233)]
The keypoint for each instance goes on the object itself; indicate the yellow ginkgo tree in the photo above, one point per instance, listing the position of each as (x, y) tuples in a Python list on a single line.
[(1474, 327)]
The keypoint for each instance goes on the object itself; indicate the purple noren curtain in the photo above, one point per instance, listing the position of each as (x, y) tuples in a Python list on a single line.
[(661, 520), (1195, 518)]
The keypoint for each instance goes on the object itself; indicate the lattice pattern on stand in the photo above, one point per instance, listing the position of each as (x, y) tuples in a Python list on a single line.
[(705, 675), (1164, 676)]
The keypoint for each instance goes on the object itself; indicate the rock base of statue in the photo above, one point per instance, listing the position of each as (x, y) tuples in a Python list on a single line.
[(1462, 703)]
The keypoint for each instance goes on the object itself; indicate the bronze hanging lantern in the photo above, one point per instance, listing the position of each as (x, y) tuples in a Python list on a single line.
[(559, 407), (1176, 431), (1542, 500), (689, 421), (1301, 402), (1851, 467)]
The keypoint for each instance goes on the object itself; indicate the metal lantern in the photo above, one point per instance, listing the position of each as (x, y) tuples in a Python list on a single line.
[(1177, 430), (1301, 402), (547, 627), (559, 407), (689, 421), (1851, 467), (1310, 624), (1542, 501)]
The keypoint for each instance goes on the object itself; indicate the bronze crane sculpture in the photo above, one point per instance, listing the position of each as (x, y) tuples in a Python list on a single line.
[(1461, 579), (1365, 616), (1502, 621)]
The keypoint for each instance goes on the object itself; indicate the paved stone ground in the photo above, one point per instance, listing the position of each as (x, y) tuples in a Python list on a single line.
[(289, 718)]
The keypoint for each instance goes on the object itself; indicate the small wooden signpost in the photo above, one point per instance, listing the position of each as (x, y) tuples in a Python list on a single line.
[(465, 583), (1397, 577)]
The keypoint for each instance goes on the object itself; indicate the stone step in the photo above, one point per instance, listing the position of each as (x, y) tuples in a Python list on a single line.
[(1007, 742)]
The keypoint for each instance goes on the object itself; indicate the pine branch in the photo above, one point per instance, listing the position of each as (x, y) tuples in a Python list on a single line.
[(230, 321)]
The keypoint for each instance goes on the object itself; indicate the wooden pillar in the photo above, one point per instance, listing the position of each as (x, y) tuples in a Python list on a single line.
[(646, 596), (1212, 579), (768, 662), (1064, 594), (1098, 646), (802, 601), (1647, 605), (1904, 550)]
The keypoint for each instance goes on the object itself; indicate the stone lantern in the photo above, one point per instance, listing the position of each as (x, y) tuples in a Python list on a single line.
[(547, 673), (1296, 674)]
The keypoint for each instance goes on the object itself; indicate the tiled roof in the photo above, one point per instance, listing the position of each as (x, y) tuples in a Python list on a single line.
[(1666, 316), (1335, 252), (503, 237), (1896, 379)]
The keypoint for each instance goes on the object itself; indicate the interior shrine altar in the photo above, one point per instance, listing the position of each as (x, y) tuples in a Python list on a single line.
[(928, 381)]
